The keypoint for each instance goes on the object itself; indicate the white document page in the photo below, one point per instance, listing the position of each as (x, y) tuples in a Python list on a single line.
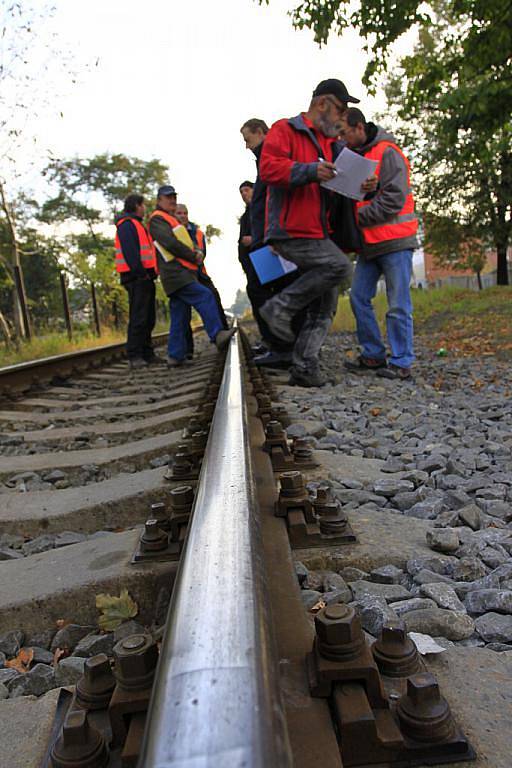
[(351, 170), (288, 266)]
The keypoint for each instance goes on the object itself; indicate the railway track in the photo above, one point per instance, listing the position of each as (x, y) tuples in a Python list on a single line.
[(187, 484)]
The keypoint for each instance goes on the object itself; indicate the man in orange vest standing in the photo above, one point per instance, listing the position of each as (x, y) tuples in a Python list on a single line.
[(136, 264), (178, 265), (388, 224)]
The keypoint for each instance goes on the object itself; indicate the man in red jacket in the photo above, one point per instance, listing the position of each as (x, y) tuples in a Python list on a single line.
[(297, 156)]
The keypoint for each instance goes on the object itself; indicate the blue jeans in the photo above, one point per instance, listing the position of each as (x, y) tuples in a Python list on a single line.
[(201, 299), (397, 270)]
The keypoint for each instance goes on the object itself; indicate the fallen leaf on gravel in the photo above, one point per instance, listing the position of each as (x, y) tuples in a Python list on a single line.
[(60, 653), (317, 607), (22, 661), (375, 411), (115, 610)]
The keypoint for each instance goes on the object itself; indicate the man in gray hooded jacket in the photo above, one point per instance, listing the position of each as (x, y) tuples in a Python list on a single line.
[(387, 224)]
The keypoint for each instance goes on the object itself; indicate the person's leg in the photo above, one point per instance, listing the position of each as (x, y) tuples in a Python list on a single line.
[(314, 330), (323, 267), (177, 344), (189, 334), (397, 269), (203, 301), (362, 292), (137, 331), (150, 312), (208, 283)]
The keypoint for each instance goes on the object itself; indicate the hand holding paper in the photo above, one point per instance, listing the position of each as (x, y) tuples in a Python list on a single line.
[(351, 171)]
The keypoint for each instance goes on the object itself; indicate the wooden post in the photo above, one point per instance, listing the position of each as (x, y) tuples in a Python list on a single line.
[(115, 313), (65, 304), (20, 289), (95, 310)]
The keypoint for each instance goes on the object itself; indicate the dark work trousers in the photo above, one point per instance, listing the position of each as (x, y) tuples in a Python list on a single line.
[(208, 283), (258, 294), (323, 267), (141, 300)]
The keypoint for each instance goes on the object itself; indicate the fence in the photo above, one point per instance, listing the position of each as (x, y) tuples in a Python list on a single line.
[(469, 281)]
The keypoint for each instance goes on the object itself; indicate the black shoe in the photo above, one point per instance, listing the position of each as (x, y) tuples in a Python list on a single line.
[(365, 363), (273, 360), (279, 323), (395, 372), (259, 349), (137, 362), (303, 378), (155, 360)]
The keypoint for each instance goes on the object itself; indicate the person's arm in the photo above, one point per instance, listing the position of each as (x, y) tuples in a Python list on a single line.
[(276, 166), (391, 194), (160, 230), (129, 241)]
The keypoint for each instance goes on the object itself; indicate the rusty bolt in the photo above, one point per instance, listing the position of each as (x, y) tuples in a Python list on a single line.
[(182, 465), (292, 484), (395, 653), (135, 657), (94, 689), (158, 512), (153, 539), (423, 713), (264, 403), (339, 632), (200, 438), (182, 498), (79, 744), (274, 429)]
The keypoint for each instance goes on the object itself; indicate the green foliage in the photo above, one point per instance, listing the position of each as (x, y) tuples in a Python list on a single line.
[(211, 232), (240, 304), (451, 100), (89, 192)]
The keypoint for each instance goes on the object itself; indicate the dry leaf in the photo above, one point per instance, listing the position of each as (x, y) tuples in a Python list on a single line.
[(317, 607), (375, 411), (22, 661), (60, 653), (115, 610)]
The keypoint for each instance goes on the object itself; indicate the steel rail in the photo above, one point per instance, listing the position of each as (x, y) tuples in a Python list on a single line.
[(20, 377), (216, 699)]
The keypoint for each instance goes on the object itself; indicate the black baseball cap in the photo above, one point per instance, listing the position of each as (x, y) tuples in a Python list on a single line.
[(167, 189), (333, 87)]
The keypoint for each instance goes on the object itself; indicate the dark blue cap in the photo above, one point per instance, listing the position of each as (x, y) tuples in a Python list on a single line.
[(167, 189)]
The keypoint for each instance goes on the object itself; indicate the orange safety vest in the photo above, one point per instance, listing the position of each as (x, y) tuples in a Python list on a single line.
[(147, 250), (175, 223), (200, 239), (402, 224)]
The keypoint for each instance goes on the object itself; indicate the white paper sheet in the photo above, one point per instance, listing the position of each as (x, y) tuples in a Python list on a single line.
[(351, 170)]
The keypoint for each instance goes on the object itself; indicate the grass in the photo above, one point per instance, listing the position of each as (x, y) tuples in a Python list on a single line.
[(464, 322), (58, 344)]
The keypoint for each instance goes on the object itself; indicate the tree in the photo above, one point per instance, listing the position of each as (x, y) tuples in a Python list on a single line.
[(455, 245), (241, 303), (453, 96), (27, 49), (211, 232), (89, 193)]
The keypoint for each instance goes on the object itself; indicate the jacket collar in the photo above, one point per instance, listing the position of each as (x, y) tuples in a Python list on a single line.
[(299, 124)]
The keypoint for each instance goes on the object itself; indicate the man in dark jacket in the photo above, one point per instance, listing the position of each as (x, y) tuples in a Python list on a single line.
[(178, 265), (387, 223), (135, 262), (297, 156)]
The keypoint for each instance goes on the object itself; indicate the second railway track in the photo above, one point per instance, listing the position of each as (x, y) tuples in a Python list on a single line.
[(184, 489)]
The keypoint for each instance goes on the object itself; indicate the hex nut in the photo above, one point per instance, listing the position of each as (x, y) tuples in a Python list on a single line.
[(339, 632), (136, 657)]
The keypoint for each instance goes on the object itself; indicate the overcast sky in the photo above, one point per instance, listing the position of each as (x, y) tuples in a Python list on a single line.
[(175, 80)]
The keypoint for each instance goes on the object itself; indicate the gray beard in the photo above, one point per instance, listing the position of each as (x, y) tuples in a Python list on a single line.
[(329, 129)]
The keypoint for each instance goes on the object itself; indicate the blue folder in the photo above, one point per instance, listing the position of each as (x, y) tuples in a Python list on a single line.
[(269, 266)]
